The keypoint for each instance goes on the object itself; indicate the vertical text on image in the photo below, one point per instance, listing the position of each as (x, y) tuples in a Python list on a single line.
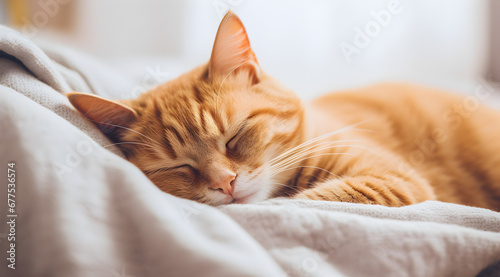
[(11, 214)]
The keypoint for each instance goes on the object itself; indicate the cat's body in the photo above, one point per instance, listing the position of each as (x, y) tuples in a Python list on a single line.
[(418, 144), (226, 132)]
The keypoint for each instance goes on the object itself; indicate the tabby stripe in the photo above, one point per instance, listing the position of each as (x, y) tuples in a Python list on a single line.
[(321, 196), (321, 175), (360, 189), (157, 111), (296, 179), (382, 191), (397, 197), (191, 124), (197, 95), (218, 121), (273, 112), (201, 110), (330, 163), (336, 195), (191, 128), (348, 193), (314, 176), (169, 149), (402, 199), (176, 133)]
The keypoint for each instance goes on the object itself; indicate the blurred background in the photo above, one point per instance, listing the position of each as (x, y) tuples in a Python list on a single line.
[(312, 47)]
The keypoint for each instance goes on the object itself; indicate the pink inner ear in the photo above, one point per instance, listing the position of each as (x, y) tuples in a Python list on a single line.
[(101, 110), (232, 49)]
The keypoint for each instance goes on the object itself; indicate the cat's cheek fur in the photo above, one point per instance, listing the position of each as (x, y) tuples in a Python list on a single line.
[(260, 190), (251, 188)]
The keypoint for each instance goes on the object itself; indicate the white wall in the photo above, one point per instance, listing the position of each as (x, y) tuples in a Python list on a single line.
[(443, 43)]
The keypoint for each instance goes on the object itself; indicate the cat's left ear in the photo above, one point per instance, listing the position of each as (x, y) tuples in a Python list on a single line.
[(112, 117), (231, 51)]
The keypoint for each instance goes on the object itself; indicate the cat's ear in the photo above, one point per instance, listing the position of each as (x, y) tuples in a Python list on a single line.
[(110, 116), (232, 50)]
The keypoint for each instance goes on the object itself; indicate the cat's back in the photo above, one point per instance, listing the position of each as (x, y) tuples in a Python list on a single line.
[(451, 140)]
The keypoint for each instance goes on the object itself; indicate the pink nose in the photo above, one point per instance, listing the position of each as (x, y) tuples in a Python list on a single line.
[(225, 183)]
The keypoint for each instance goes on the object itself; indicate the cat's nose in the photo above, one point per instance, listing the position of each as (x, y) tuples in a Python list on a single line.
[(225, 183)]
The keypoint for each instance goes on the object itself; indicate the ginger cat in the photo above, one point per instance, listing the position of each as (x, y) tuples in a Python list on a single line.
[(226, 132)]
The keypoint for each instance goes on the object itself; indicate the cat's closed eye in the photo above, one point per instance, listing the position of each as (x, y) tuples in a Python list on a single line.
[(183, 174), (184, 166), (166, 169), (233, 142)]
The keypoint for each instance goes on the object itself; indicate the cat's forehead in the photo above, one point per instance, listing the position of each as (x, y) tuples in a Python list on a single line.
[(200, 101), (205, 119), (185, 123)]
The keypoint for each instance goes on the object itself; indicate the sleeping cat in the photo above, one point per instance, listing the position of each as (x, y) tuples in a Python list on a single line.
[(226, 132)]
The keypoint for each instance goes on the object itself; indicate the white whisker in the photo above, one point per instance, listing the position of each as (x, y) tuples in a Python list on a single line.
[(129, 142), (126, 128), (305, 155), (312, 148), (314, 156), (287, 186), (316, 139), (306, 166), (144, 156)]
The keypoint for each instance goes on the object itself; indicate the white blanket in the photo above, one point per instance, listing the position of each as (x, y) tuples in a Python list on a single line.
[(83, 210)]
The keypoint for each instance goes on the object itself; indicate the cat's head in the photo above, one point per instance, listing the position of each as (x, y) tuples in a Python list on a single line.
[(211, 134)]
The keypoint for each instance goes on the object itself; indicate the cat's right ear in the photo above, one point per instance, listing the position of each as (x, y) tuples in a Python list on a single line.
[(110, 116), (232, 51)]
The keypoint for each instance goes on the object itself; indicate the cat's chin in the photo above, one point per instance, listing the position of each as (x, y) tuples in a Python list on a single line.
[(245, 193), (250, 198), (247, 199), (244, 200)]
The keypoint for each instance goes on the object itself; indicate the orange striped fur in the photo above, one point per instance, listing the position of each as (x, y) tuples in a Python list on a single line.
[(226, 132)]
